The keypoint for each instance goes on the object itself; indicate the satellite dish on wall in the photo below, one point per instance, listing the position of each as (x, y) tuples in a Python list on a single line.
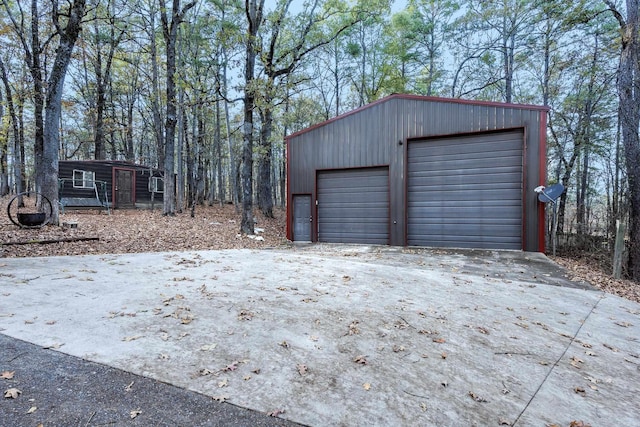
[(549, 194)]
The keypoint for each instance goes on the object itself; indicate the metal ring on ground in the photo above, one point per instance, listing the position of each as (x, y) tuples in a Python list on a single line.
[(31, 219)]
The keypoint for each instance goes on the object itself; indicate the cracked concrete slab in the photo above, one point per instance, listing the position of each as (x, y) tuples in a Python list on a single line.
[(344, 335)]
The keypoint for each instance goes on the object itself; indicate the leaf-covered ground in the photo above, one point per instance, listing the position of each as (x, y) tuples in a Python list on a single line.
[(212, 227), (596, 270), (126, 231)]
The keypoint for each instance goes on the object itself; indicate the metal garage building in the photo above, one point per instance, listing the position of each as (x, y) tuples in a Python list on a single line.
[(421, 171)]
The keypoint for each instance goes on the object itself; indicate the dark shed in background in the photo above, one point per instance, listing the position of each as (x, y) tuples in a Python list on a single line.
[(127, 185), (421, 171)]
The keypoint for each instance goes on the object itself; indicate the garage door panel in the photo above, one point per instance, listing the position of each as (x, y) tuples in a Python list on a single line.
[(482, 156), (444, 189), (466, 191), (452, 164), (353, 206)]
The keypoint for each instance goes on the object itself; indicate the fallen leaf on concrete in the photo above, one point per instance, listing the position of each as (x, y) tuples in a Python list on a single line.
[(610, 347), (579, 390), (398, 348), (579, 424), (7, 375), (232, 366), (246, 377), (220, 399), (275, 413), (476, 397), (51, 322), (284, 344), (245, 315), (483, 330), (53, 346), (575, 362), (135, 413), (128, 388), (423, 406), (624, 324), (366, 386), (12, 393), (133, 338), (223, 383), (302, 369), (353, 328), (208, 347), (361, 359), (186, 319), (590, 353), (443, 355), (439, 340), (504, 422), (32, 410)]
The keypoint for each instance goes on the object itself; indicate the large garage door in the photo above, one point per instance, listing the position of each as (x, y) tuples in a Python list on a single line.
[(353, 206), (466, 192)]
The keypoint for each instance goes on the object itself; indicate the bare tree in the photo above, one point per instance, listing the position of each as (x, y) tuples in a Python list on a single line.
[(629, 99), (68, 34), (170, 32), (253, 11), (18, 135)]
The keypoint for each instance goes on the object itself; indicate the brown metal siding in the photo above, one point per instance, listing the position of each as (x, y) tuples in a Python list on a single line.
[(377, 136)]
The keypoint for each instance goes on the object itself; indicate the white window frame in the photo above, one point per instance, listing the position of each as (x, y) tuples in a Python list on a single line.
[(83, 179), (153, 184)]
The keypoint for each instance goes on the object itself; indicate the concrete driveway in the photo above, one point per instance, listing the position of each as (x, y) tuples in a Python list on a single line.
[(344, 335)]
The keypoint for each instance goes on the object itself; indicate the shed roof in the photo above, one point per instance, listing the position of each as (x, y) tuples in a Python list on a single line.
[(405, 96)]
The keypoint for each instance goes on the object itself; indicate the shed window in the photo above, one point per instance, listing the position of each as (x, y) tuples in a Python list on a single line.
[(83, 179), (156, 185)]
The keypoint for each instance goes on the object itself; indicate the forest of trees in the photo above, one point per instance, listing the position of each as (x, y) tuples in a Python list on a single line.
[(207, 89)]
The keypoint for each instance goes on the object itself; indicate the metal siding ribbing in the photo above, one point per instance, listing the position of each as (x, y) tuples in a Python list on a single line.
[(371, 136), (466, 191), (353, 206)]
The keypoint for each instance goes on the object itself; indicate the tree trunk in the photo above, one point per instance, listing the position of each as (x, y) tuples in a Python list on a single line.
[(68, 37), (265, 189), (158, 130), (18, 163), (253, 11), (4, 154), (170, 31), (218, 148), (629, 98)]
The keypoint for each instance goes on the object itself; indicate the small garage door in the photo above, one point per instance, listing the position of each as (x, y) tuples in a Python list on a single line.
[(353, 206), (466, 192)]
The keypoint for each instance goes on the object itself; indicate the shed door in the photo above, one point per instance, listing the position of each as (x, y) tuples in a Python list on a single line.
[(353, 206), (302, 218), (466, 192), (124, 188)]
